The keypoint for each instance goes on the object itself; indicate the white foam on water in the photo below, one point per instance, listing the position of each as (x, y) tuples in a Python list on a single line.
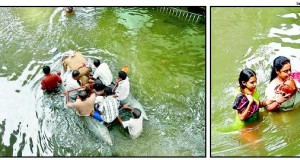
[(17, 110), (293, 30), (52, 17), (290, 15)]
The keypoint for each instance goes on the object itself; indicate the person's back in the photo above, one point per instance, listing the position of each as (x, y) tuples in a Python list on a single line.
[(106, 107), (134, 124), (50, 81), (110, 109), (103, 72), (84, 105), (109, 106), (73, 82), (75, 62)]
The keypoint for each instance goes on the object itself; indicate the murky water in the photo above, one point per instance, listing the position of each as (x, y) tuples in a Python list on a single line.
[(166, 59), (252, 37)]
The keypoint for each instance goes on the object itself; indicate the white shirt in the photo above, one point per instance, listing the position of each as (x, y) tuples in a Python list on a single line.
[(270, 94), (104, 74), (135, 126), (122, 90), (71, 84)]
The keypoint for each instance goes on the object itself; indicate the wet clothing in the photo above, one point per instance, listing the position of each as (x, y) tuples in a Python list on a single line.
[(71, 83), (50, 82), (109, 107), (135, 126), (254, 113), (104, 74), (272, 95), (96, 114), (122, 90)]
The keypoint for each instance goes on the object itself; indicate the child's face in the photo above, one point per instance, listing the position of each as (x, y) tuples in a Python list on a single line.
[(251, 83), (285, 71)]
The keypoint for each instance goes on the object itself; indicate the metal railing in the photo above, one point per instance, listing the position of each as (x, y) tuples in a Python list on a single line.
[(182, 14)]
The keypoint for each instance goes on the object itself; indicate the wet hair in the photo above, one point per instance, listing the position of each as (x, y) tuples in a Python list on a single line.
[(98, 85), (245, 75), (122, 75), (136, 113), (278, 63), (108, 91), (75, 73), (82, 94), (46, 69), (97, 62)]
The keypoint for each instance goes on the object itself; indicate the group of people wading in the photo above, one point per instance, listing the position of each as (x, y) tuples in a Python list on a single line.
[(280, 93), (93, 91)]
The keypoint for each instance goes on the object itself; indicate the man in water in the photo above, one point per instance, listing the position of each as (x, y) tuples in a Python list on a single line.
[(135, 123), (83, 105), (72, 83), (69, 10), (102, 72), (122, 87), (106, 108), (50, 81), (75, 61)]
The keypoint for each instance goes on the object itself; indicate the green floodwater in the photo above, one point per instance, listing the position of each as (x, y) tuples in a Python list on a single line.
[(166, 59), (250, 37)]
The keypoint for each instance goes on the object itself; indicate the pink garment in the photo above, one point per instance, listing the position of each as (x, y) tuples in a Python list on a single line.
[(296, 76)]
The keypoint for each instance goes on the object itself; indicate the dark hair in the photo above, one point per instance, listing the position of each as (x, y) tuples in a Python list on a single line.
[(46, 69), (75, 73), (245, 75), (108, 91), (122, 75), (98, 85), (97, 62), (136, 113), (278, 63), (82, 94)]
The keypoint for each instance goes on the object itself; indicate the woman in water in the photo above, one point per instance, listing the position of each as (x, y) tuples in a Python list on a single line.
[(247, 99), (281, 89)]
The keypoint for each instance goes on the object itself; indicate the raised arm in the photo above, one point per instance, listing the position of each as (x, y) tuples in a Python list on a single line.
[(244, 114)]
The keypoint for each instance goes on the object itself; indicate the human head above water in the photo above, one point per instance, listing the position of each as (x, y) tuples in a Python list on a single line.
[(245, 76), (281, 67), (108, 91), (122, 75), (46, 69), (75, 74), (97, 62), (136, 113), (82, 94), (98, 85)]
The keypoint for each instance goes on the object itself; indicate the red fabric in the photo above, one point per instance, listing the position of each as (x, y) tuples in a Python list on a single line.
[(50, 81)]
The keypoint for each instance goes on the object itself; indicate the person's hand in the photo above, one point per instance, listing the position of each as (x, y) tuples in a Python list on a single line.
[(87, 86), (280, 98), (118, 80), (91, 81), (58, 72), (249, 97)]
